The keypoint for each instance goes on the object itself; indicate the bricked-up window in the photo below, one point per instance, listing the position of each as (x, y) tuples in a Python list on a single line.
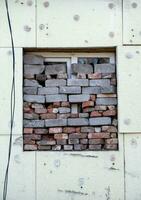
[(70, 102)]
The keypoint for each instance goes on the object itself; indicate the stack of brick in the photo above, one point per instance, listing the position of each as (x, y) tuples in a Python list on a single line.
[(79, 113)]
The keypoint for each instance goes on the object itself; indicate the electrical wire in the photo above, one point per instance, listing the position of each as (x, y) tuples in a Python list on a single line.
[(12, 104)]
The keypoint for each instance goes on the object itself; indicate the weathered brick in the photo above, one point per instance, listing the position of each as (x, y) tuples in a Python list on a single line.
[(79, 98), (30, 90), (61, 141), (48, 90), (97, 129), (79, 147), (29, 147), (31, 59), (81, 76), (94, 76), (70, 90), (63, 116), (65, 104), (40, 110), (56, 148), (77, 122), (32, 137), (64, 110), (56, 98), (40, 131), (55, 122), (109, 89), (41, 77), (34, 98), (95, 147), (48, 116), (33, 123), (111, 146), (40, 147), (96, 141), (111, 129), (77, 82), (55, 69), (100, 83), (61, 136), (69, 130), (93, 97), (33, 69), (97, 121), (68, 147), (73, 141), (55, 82), (47, 142), (62, 76), (88, 109), (31, 83), (52, 110), (99, 135), (55, 130), (87, 129), (37, 105), (83, 141), (106, 101), (104, 68), (115, 122), (83, 115), (31, 116), (101, 108), (82, 68), (87, 104), (28, 141), (111, 141), (107, 95), (56, 104), (77, 135), (91, 90)]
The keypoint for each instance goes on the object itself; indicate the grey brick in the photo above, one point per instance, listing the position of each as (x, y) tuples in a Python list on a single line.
[(31, 83), (106, 101), (70, 90), (68, 147), (55, 82), (33, 123), (56, 98), (79, 147), (30, 90), (33, 69), (109, 89), (55, 69), (87, 129), (31, 116), (95, 147), (79, 98), (55, 122), (48, 90), (97, 121), (91, 90), (73, 141), (46, 142), (78, 82), (34, 98), (77, 122), (33, 59), (100, 82), (82, 68), (83, 115), (64, 110), (104, 68)]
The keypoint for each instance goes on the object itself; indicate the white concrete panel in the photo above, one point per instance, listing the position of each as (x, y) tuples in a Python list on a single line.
[(129, 89), (132, 166), (5, 90), (78, 23), (22, 15), (80, 175), (131, 22), (22, 170)]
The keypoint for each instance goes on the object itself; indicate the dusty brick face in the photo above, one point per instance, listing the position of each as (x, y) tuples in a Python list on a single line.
[(69, 114)]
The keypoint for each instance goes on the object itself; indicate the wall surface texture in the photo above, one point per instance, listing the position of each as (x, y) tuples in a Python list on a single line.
[(109, 175)]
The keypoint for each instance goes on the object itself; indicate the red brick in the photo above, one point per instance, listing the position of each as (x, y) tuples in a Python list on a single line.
[(61, 136), (113, 81), (99, 135), (94, 76), (93, 97), (28, 130), (87, 104), (32, 137), (40, 131), (52, 110), (111, 141), (55, 130), (89, 109), (110, 129), (56, 104), (28, 141), (77, 129), (95, 114), (48, 116), (109, 113), (69, 130)]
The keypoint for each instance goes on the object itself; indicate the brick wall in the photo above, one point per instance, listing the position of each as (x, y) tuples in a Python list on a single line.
[(77, 113)]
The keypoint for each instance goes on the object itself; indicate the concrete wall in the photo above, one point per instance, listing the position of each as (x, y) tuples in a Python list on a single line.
[(114, 175)]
